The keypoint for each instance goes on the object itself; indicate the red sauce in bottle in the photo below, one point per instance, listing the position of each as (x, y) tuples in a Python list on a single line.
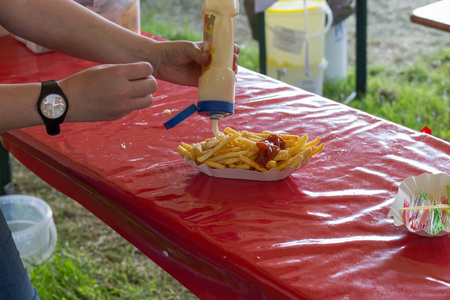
[(269, 148)]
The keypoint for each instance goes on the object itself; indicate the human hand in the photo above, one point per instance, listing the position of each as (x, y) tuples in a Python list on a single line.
[(108, 92), (181, 62)]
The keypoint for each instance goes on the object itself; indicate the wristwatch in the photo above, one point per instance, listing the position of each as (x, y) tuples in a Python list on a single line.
[(52, 106)]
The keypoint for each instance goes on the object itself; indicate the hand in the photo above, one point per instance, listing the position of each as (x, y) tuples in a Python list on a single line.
[(109, 92), (181, 62)]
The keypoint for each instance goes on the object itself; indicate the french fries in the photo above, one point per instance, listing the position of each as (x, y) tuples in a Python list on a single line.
[(240, 151)]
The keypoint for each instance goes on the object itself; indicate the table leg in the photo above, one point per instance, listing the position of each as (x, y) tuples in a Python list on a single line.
[(361, 51), (262, 43), (361, 46)]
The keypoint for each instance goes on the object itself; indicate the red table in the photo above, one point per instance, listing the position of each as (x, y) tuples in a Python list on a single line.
[(322, 233)]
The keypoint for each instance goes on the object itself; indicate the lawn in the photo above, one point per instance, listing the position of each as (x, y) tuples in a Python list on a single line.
[(414, 96)]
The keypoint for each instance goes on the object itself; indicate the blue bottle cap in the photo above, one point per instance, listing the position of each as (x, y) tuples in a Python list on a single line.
[(180, 117), (213, 108)]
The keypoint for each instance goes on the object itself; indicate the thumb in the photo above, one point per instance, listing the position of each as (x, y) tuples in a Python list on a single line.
[(198, 55)]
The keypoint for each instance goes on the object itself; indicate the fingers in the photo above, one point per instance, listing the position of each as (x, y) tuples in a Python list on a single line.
[(142, 102), (203, 58), (108, 92), (140, 84), (143, 86), (138, 70), (198, 55), (142, 90), (235, 61), (237, 49)]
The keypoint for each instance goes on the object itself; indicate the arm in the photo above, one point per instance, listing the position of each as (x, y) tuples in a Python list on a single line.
[(129, 87), (74, 30), (69, 28)]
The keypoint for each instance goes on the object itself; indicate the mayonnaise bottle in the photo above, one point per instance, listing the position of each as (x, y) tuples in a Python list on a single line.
[(216, 85)]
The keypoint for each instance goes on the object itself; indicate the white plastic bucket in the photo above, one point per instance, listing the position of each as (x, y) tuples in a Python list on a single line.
[(30, 220), (287, 32), (298, 78), (336, 52)]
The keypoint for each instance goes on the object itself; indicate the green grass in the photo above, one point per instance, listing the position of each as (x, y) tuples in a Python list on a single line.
[(161, 28), (415, 96), (73, 274)]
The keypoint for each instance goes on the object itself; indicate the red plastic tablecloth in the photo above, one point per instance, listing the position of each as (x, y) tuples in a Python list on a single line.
[(322, 233)]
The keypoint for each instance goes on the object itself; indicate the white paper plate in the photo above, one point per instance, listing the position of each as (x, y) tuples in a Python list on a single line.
[(271, 175), (431, 183)]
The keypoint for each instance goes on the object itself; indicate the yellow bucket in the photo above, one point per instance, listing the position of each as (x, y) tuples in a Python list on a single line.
[(289, 31)]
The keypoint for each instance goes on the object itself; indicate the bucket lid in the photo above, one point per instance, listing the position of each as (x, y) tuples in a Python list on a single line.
[(292, 6)]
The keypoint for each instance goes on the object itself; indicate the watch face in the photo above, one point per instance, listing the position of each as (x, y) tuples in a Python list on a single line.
[(53, 106)]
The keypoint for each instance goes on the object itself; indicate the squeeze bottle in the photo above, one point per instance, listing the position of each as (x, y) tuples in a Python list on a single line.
[(216, 85)]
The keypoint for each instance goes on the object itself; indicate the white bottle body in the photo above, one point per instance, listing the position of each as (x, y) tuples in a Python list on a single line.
[(216, 86)]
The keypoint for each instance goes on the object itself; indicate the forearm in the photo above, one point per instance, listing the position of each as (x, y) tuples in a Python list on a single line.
[(91, 98), (69, 28), (18, 106)]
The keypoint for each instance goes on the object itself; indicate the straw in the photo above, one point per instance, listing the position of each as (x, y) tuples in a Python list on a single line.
[(445, 207), (436, 216)]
